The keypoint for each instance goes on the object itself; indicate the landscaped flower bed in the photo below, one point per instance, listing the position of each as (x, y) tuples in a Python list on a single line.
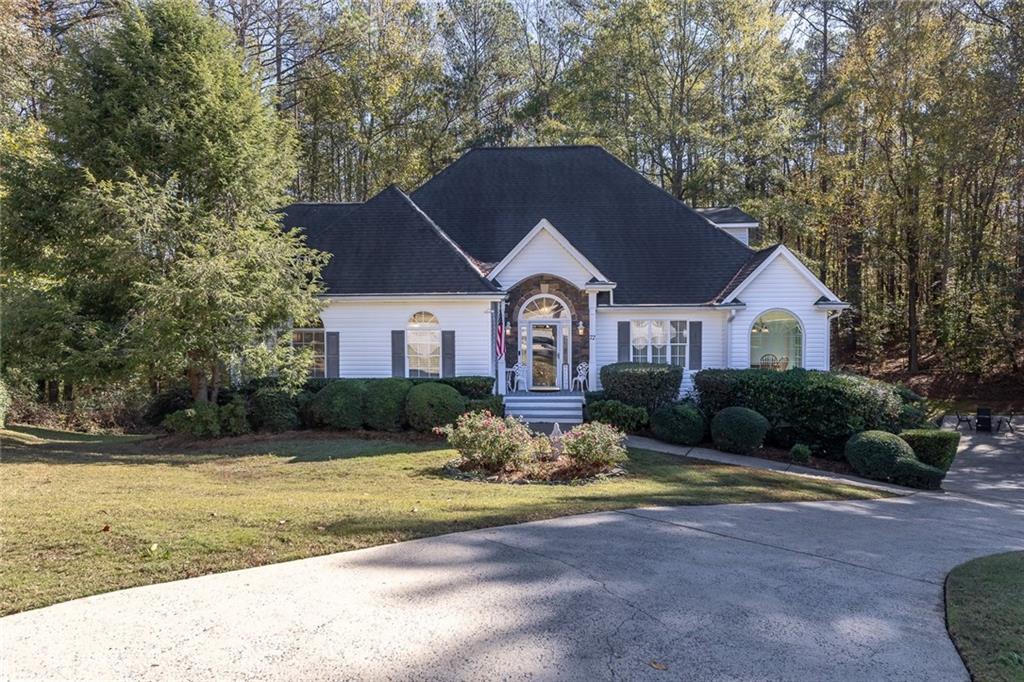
[(504, 449)]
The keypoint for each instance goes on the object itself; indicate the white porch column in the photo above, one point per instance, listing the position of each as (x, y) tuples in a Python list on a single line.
[(501, 363), (592, 375)]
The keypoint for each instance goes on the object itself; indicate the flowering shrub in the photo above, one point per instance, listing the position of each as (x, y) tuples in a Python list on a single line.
[(595, 444), (488, 442)]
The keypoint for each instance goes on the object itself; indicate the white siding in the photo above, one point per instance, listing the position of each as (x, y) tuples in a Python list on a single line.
[(780, 286), (365, 327), (712, 346), (543, 255), (740, 233)]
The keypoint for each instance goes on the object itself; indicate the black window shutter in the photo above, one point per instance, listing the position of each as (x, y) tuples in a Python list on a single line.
[(331, 343), (398, 353), (624, 341), (447, 353), (696, 340)]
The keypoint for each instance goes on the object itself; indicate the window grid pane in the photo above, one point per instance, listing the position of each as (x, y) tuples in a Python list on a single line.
[(312, 339), (423, 353)]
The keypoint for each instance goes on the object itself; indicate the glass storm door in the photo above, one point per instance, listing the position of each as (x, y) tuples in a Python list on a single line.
[(544, 354)]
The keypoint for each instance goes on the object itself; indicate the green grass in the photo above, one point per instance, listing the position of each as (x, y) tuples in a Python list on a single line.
[(176, 511), (985, 616)]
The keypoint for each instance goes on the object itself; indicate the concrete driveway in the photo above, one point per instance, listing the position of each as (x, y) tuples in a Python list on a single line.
[(805, 591)]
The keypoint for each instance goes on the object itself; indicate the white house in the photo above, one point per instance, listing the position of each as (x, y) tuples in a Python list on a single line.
[(570, 255)]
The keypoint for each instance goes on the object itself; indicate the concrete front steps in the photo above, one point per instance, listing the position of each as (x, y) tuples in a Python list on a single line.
[(564, 408)]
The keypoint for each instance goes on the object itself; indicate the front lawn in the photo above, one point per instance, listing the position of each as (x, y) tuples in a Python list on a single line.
[(985, 616), (84, 515)]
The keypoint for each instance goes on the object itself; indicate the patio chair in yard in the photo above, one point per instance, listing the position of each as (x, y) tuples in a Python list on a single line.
[(1007, 421), (964, 419)]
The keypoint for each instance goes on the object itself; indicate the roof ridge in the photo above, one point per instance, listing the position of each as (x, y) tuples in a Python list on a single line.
[(533, 147), (444, 235), (662, 190)]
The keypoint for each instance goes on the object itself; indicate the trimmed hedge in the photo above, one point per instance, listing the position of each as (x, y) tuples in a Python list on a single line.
[(620, 415), (739, 430), (495, 404), (680, 423), (433, 404), (874, 454), (819, 409), (274, 410), (915, 474), (594, 396), (339, 404), (473, 387), (933, 447), (641, 384), (384, 406)]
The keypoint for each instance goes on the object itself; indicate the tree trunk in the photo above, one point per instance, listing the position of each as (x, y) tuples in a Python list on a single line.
[(69, 392), (53, 391)]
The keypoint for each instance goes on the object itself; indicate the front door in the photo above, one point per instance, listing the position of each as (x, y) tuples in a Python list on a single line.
[(545, 355)]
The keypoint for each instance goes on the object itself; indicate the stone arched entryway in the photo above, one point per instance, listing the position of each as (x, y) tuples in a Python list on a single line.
[(540, 306)]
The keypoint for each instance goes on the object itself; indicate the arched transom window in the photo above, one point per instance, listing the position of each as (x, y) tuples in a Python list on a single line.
[(423, 346), (545, 308), (776, 341)]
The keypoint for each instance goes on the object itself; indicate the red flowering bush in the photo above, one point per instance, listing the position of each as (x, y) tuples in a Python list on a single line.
[(490, 443), (595, 444)]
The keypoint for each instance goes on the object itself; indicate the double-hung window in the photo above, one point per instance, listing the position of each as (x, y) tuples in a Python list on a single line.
[(314, 340), (661, 342)]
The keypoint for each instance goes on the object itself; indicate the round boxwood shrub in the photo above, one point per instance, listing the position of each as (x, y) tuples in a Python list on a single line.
[(620, 415), (433, 404), (679, 423), (339, 405), (933, 447), (739, 430), (874, 454), (800, 454), (384, 409), (274, 410)]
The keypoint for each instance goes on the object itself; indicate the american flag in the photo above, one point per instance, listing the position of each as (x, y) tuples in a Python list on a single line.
[(499, 339)]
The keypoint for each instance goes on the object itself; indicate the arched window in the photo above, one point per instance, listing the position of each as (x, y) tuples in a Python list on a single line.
[(544, 308), (776, 341), (423, 346)]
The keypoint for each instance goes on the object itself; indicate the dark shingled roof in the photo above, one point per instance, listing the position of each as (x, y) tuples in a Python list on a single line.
[(726, 215), (385, 246), (752, 264), (653, 246)]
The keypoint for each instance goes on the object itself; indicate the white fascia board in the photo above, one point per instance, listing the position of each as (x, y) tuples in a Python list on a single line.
[(492, 296), (558, 237), (783, 252)]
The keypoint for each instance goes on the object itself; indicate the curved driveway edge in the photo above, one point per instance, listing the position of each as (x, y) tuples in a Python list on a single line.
[(816, 590)]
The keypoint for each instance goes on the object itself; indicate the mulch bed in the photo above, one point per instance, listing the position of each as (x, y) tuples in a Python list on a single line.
[(561, 471), (780, 455)]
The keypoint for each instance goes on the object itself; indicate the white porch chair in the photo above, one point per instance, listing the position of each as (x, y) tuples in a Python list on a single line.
[(582, 376), (515, 376)]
